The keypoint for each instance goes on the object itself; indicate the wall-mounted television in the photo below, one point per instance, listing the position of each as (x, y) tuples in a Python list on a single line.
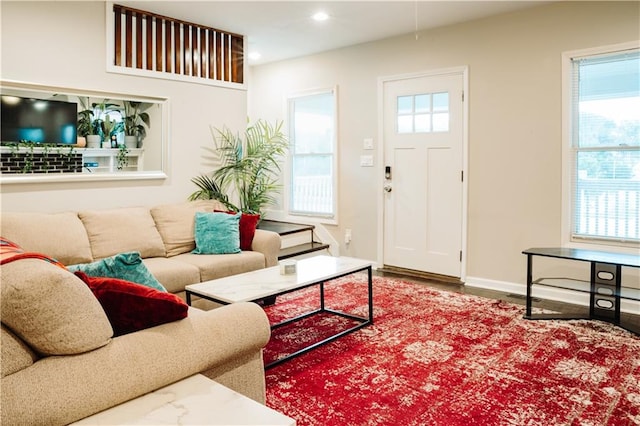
[(38, 120)]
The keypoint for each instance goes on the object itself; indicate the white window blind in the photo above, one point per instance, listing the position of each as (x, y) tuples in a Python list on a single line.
[(312, 155), (606, 147)]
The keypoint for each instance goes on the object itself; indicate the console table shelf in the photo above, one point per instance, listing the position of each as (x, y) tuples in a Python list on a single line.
[(604, 286)]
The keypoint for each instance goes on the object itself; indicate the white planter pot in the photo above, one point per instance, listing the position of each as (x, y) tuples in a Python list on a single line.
[(131, 141), (93, 141)]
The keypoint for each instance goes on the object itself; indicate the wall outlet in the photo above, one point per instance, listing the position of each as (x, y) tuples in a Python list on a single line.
[(367, 143), (366, 160), (347, 236)]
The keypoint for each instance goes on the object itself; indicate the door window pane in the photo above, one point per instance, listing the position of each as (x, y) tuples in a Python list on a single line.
[(423, 123), (423, 103), (423, 113), (441, 122), (405, 105), (441, 102), (405, 124)]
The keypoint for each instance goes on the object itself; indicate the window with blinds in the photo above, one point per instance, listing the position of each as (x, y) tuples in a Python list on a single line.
[(313, 153), (605, 138), (151, 42)]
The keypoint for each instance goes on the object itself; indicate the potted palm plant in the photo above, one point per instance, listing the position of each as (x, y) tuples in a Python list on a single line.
[(136, 120), (249, 167)]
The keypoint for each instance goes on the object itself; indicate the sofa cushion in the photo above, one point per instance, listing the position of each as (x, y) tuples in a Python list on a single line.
[(217, 233), (172, 273), (216, 266), (176, 224), (66, 238), (51, 309), (127, 266), (131, 307), (16, 355), (120, 230)]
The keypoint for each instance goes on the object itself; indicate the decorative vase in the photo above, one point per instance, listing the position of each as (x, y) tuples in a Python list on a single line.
[(93, 141), (131, 141), (81, 142)]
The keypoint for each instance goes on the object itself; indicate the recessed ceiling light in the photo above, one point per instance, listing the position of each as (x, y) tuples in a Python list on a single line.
[(255, 55), (320, 16)]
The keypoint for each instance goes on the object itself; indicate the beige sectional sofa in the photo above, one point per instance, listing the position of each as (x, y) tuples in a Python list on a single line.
[(60, 361), (164, 236)]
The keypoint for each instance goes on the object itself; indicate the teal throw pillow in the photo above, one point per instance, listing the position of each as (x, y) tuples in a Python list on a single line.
[(125, 266), (217, 233)]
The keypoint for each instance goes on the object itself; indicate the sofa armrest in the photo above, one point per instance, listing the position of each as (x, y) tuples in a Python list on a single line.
[(267, 243), (63, 389)]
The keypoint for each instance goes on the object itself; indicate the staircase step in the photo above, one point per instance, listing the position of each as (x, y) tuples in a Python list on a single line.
[(301, 249), (283, 228), (288, 228)]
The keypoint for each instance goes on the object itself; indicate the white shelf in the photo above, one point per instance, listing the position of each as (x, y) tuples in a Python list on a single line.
[(105, 160)]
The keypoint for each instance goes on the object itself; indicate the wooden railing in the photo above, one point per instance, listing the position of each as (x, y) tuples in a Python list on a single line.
[(610, 213), (312, 194), (153, 42)]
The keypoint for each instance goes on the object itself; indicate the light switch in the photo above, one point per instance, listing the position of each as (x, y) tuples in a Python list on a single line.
[(366, 160), (367, 143)]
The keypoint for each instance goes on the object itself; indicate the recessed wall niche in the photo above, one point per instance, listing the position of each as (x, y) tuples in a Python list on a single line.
[(27, 162)]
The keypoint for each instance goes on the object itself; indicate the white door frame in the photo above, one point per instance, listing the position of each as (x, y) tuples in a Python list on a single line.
[(464, 72)]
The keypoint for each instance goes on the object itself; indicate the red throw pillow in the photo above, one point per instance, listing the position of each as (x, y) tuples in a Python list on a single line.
[(248, 224), (131, 307)]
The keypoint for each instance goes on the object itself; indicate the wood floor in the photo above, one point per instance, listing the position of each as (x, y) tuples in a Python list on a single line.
[(629, 321)]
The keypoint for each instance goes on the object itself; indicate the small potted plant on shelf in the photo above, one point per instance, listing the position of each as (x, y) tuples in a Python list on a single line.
[(91, 118), (136, 121), (87, 124), (111, 128)]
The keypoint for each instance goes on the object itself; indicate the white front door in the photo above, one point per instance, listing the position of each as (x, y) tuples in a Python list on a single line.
[(423, 124)]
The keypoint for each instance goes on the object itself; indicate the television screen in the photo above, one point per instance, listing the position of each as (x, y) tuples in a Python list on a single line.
[(38, 120)]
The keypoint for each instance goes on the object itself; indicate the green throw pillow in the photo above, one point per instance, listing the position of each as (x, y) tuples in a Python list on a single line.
[(125, 266), (217, 233)]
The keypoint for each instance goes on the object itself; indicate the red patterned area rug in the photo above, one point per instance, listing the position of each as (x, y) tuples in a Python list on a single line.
[(441, 358)]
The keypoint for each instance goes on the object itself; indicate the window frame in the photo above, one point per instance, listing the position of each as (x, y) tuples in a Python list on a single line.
[(569, 153), (298, 216)]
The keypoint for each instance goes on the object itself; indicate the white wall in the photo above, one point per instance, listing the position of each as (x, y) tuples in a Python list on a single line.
[(63, 44), (515, 123)]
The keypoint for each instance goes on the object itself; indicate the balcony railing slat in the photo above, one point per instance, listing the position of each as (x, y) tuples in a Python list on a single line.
[(117, 45), (177, 54), (159, 51), (129, 39), (139, 22), (149, 40)]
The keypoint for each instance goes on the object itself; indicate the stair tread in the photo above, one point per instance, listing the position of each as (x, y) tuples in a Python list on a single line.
[(301, 249), (283, 228)]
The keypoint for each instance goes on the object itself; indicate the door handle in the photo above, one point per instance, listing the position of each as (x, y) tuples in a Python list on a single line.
[(387, 188)]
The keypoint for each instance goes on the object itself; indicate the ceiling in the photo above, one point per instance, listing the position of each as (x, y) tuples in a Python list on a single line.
[(284, 29)]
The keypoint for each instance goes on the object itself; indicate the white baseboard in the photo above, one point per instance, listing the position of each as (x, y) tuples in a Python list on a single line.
[(549, 293)]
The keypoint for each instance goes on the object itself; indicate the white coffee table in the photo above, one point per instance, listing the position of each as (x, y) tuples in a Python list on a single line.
[(258, 285), (196, 400)]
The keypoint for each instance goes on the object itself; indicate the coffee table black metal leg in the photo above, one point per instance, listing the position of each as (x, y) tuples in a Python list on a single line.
[(370, 293), (529, 283), (322, 296)]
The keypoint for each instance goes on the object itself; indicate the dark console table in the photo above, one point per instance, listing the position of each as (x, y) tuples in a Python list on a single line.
[(604, 287)]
